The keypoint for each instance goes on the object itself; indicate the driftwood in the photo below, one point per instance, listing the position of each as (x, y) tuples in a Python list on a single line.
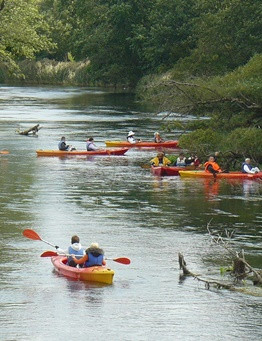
[(30, 131), (241, 268), (208, 282)]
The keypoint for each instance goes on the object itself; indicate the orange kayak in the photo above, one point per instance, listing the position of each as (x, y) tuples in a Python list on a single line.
[(100, 274), (143, 144), (115, 151), (230, 175)]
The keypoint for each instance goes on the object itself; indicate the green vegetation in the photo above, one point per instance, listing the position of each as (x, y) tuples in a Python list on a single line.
[(201, 57)]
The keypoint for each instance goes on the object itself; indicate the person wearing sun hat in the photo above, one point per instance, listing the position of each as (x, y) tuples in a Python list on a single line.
[(130, 137)]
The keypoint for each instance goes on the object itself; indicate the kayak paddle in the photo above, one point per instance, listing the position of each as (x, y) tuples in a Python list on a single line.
[(122, 260), (31, 234)]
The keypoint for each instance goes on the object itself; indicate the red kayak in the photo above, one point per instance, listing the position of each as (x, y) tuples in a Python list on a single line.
[(142, 144), (169, 171), (100, 274), (109, 151)]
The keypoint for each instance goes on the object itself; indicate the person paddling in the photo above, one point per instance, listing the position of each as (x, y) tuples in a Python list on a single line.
[(63, 146), (130, 137), (94, 256), (90, 146), (160, 160), (157, 138), (248, 168), (212, 167), (75, 249)]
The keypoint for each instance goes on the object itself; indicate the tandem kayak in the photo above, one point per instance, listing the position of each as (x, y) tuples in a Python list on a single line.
[(169, 171), (143, 144), (115, 151), (230, 175), (100, 274)]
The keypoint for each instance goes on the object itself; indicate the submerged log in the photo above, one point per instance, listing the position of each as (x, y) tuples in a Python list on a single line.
[(30, 131), (208, 282)]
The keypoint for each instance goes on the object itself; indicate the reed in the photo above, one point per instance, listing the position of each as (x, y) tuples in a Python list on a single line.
[(48, 71)]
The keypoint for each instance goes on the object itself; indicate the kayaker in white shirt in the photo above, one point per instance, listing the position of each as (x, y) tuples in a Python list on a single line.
[(90, 144), (130, 137), (247, 168)]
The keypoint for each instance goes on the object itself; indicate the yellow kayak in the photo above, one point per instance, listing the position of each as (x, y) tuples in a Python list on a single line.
[(229, 175), (97, 273)]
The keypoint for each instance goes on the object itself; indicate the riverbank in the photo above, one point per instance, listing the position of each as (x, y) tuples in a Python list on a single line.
[(51, 72)]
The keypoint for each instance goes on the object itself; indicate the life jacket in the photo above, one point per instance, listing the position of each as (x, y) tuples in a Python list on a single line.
[(246, 164), (94, 259), (156, 163), (214, 165)]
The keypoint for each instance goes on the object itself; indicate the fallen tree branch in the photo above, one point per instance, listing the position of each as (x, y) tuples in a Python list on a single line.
[(32, 131), (207, 282), (239, 262)]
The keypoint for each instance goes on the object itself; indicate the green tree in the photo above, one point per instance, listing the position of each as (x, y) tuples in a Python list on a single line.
[(228, 34), (23, 33)]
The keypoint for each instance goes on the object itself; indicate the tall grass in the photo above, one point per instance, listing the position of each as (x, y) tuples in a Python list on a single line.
[(48, 71)]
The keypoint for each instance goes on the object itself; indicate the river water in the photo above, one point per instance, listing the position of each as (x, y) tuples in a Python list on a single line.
[(114, 201)]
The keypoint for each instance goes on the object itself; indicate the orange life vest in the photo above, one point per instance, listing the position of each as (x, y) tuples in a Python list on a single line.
[(214, 165)]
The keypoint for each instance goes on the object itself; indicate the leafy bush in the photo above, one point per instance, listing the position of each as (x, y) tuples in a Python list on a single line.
[(245, 143)]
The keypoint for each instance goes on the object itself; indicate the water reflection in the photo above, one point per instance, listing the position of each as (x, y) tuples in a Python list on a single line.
[(131, 213)]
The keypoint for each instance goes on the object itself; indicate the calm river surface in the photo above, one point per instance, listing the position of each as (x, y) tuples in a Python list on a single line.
[(114, 201)]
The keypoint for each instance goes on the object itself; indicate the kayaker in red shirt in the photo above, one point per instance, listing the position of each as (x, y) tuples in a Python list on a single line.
[(211, 166), (94, 256)]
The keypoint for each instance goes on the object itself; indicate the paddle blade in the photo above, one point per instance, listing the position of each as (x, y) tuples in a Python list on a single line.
[(31, 234), (122, 260), (49, 254)]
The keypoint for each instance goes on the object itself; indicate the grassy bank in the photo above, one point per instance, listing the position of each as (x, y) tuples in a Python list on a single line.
[(49, 72)]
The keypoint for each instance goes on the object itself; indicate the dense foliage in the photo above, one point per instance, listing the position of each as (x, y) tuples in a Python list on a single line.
[(23, 33), (205, 55)]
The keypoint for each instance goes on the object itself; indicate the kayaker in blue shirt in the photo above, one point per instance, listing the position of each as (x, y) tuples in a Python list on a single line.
[(62, 144), (75, 249), (94, 256), (248, 168), (90, 144)]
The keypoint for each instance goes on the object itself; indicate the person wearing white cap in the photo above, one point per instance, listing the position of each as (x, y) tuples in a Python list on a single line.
[(247, 168), (130, 137), (157, 137)]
